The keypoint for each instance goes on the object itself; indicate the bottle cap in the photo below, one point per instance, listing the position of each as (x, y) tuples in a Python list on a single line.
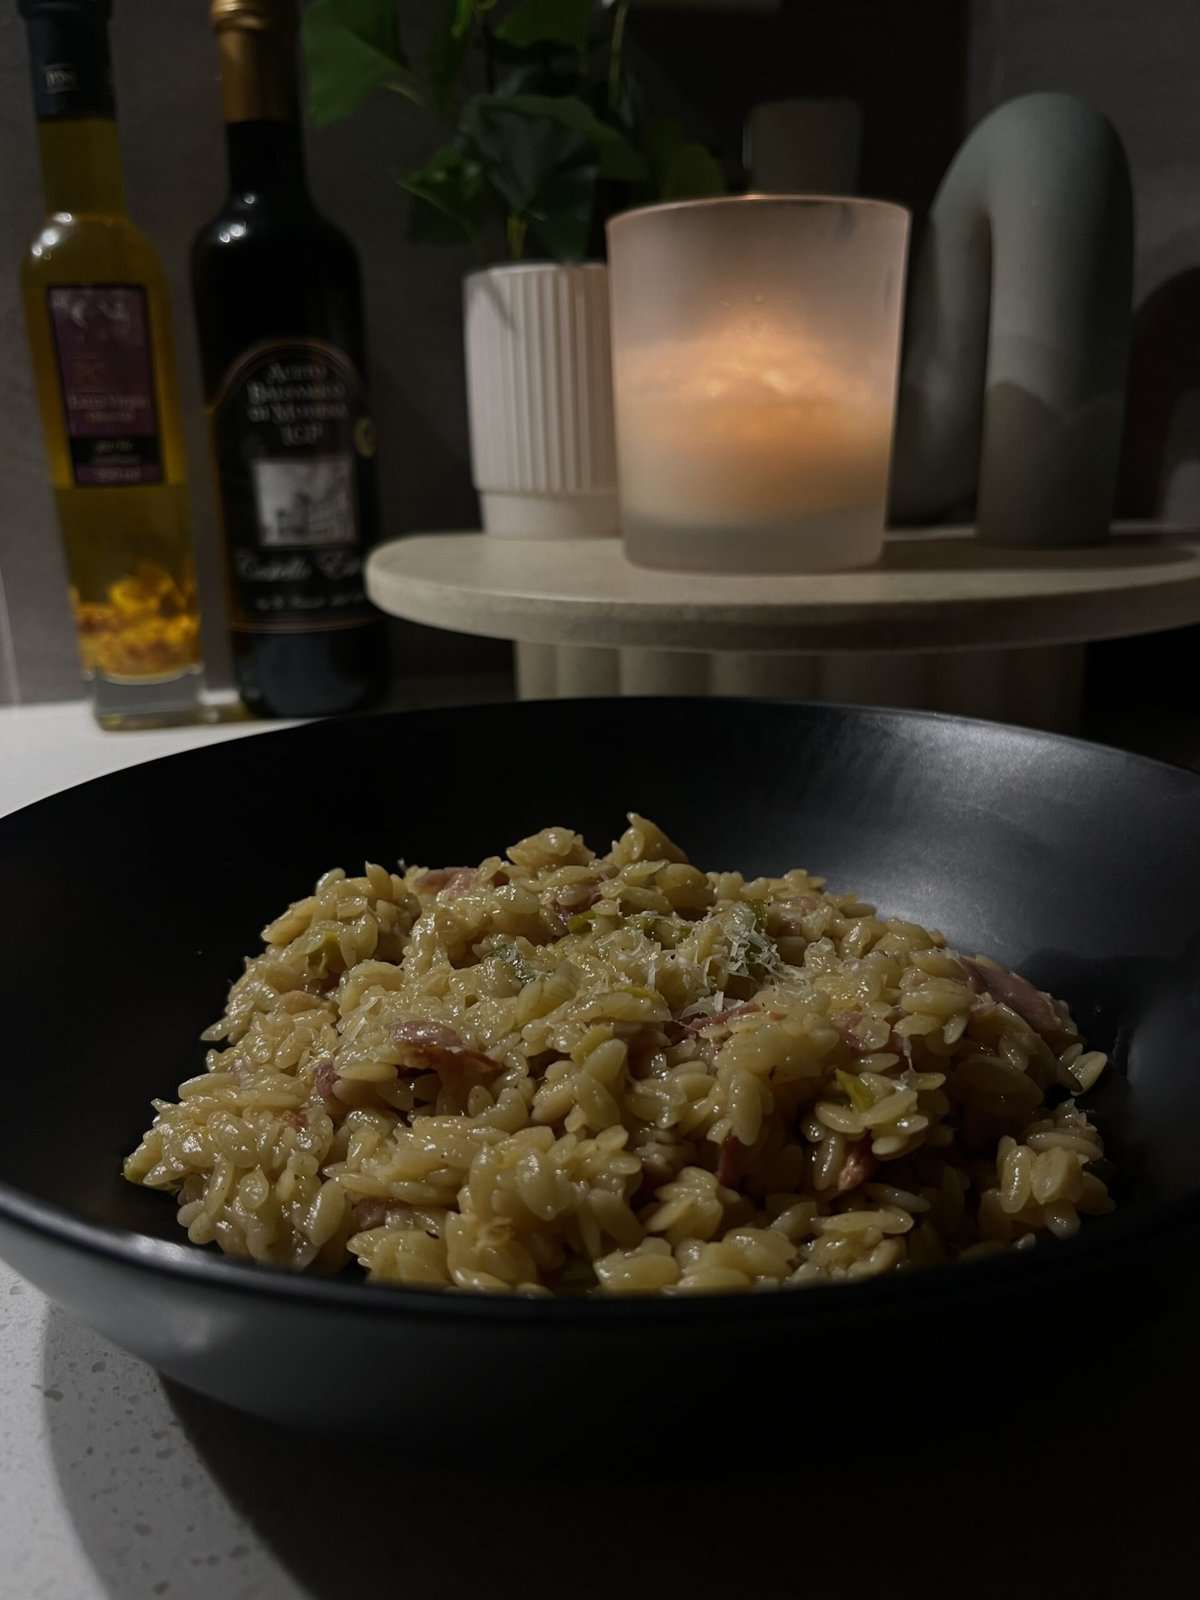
[(256, 40), (100, 10), (273, 15), (68, 57)]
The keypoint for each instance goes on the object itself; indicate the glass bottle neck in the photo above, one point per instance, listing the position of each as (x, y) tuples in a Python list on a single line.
[(262, 132), (266, 158), (81, 166)]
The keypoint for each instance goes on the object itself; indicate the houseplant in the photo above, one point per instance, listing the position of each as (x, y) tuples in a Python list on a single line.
[(539, 131)]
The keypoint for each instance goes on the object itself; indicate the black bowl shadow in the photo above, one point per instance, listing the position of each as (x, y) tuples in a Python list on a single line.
[(1031, 1499)]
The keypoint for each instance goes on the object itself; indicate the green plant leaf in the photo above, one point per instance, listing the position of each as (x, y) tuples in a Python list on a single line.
[(450, 198), (561, 219), (515, 230), (463, 16), (520, 154), (552, 70), (374, 21), (547, 22), (544, 170), (693, 174), (448, 51), (680, 168), (617, 158), (351, 48)]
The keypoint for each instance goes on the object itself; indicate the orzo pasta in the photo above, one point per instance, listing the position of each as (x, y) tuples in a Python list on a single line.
[(558, 1071)]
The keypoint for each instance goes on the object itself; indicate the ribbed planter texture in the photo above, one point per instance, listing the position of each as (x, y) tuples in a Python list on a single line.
[(539, 393)]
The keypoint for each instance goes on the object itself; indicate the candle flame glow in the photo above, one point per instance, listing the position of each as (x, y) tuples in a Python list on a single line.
[(746, 425)]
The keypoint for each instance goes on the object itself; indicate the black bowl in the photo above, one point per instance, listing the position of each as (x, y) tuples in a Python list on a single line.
[(131, 900)]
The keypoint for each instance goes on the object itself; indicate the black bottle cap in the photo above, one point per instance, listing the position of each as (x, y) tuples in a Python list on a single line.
[(68, 55), (99, 10)]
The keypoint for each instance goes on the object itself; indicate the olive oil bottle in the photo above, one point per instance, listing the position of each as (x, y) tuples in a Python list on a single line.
[(99, 326), (280, 322)]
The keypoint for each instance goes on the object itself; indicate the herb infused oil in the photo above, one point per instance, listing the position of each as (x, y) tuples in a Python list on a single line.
[(280, 321), (99, 324)]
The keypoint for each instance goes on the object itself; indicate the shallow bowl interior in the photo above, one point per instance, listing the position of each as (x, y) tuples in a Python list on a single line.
[(132, 900)]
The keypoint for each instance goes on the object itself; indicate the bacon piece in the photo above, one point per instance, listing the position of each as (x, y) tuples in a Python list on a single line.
[(451, 880), (729, 1165), (857, 1167), (646, 1044), (324, 1079), (848, 1024), (433, 1047), (572, 901), (370, 1214), (435, 1035), (1016, 992), (700, 1024)]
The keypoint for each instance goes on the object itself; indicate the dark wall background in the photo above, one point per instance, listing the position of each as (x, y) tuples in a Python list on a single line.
[(922, 72), (906, 65)]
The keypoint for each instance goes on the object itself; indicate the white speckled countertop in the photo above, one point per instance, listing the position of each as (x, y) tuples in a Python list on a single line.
[(104, 1494), (115, 1485)]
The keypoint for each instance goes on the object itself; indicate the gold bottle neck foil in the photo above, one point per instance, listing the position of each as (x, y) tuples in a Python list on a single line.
[(256, 41)]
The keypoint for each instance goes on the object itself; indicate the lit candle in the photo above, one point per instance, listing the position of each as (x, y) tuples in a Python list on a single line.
[(755, 402)]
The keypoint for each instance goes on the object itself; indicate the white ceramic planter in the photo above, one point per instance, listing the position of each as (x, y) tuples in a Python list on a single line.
[(539, 395)]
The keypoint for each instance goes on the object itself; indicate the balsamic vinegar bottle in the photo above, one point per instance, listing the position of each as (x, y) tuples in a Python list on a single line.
[(280, 321)]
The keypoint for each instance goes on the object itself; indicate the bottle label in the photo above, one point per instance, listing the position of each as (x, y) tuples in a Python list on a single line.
[(106, 377), (295, 446)]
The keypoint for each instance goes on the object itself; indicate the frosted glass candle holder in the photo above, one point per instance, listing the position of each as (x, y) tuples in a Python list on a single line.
[(756, 346)]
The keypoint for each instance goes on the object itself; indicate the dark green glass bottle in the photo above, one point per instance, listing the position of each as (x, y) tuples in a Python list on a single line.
[(279, 314)]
